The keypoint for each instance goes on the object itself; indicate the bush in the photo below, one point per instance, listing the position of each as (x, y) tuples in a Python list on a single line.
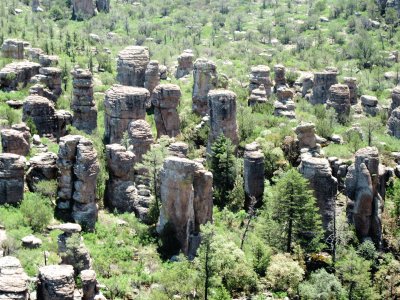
[(36, 211)]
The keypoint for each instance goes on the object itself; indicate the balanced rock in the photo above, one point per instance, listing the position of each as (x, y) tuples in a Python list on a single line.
[(12, 168), (339, 100), (14, 48), (14, 141), (222, 105), (284, 106), (370, 105), (306, 136), (260, 75), (83, 104), (351, 82), (394, 123), (42, 167), (186, 195), (31, 242), (258, 96), (179, 149), (205, 79), (13, 279), (152, 76), (78, 167), (395, 99), (165, 99), (56, 282), (253, 172), (123, 104), (50, 78), (185, 64), (140, 138), (132, 64), (16, 73), (280, 76), (322, 83)]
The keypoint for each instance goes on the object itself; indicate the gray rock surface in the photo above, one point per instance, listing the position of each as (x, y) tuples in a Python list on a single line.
[(18, 73), (132, 64), (258, 96), (322, 83), (14, 49), (12, 168), (13, 279), (351, 82), (370, 105), (260, 75), (394, 123), (306, 136), (280, 76), (83, 9), (14, 141), (185, 64), (152, 75), (140, 138), (253, 172), (56, 282), (50, 79), (42, 167), (284, 106), (339, 100)]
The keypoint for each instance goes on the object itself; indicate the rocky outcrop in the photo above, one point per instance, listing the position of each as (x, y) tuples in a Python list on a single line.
[(253, 172), (370, 105), (362, 188), (186, 195), (306, 136), (14, 49), (132, 64), (42, 167), (325, 186), (56, 282), (394, 123), (179, 149), (78, 167), (36, 6), (284, 106), (13, 279), (165, 99), (322, 83), (222, 105), (339, 100), (280, 77), (83, 9), (306, 81), (123, 104), (258, 96), (14, 141), (103, 5), (260, 75), (50, 77), (18, 73), (83, 104), (351, 82), (48, 60), (152, 76), (89, 284), (47, 120), (205, 79), (11, 178), (395, 99), (185, 64), (140, 138)]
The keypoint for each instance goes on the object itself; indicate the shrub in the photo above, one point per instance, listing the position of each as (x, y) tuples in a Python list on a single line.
[(36, 211), (323, 286)]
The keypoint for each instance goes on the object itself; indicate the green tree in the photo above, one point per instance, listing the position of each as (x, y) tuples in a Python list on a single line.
[(37, 211)]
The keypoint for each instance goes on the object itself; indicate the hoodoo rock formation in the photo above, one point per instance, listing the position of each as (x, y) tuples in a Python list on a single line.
[(394, 123), (50, 78), (205, 79), (83, 104), (339, 100), (42, 167), (84, 9), (186, 195), (13, 279), (322, 83), (306, 136), (78, 167), (395, 99), (16, 73), (370, 105), (222, 105), (185, 64), (253, 172), (14, 141), (284, 106), (132, 64), (165, 99), (12, 170), (258, 96), (14, 49), (123, 104), (152, 75), (351, 82), (56, 282), (260, 75), (140, 138), (280, 76)]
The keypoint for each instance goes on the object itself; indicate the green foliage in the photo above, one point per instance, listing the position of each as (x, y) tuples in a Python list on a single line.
[(47, 188), (36, 211), (367, 250)]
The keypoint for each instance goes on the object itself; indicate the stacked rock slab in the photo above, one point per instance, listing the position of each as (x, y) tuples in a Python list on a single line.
[(284, 106), (370, 105), (365, 202), (306, 136), (258, 96), (83, 104), (339, 100), (11, 178), (280, 77), (140, 138), (42, 167), (14, 141), (14, 49), (322, 83), (260, 75), (253, 172), (351, 82), (78, 167), (205, 79), (50, 77), (186, 195), (222, 104), (394, 123), (56, 282), (325, 186), (165, 99), (179, 149), (18, 73), (395, 99), (152, 75), (185, 64), (132, 64), (123, 104), (13, 279)]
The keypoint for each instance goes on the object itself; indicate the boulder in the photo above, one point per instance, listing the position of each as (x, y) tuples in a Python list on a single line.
[(322, 83), (18, 73), (48, 60), (31, 242), (280, 77), (179, 149), (13, 279), (260, 75), (185, 64), (56, 282), (14, 141), (339, 100), (131, 65), (253, 172), (42, 167), (370, 105), (140, 138), (258, 96), (284, 106), (103, 5), (351, 82), (89, 284), (152, 75), (395, 99), (306, 136), (14, 48), (12, 168)]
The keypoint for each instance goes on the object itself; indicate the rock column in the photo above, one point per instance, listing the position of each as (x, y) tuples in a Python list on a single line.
[(253, 172), (140, 138), (260, 75), (351, 82), (132, 64), (11, 178), (14, 141), (14, 49), (339, 100), (56, 282), (185, 64), (322, 83), (13, 279), (152, 76), (280, 77)]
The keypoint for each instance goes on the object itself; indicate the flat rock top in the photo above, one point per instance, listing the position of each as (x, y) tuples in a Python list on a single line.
[(18, 66), (56, 272), (260, 69), (134, 53), (35, 99), (203, 63), (88, 275), (221, 93), (69, 227), (396, 90), (118, 91), (140, 129), (13, 279)]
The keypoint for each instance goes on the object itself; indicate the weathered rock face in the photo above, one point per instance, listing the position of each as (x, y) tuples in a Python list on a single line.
[(179, 149), (41, 167), (205, 79), (185, 64), (186, 195), (140, 138), (11, 178), (284, 106), (14, 49), (152, 76), (123, 105), (83, 104), (56, 282), (351, 82), (222, 104), (306, 136), (48, 60), (370, 105), (35, 5), (89, 284), (362, 188), (325, 186), (307, 82), (14, 141), (165, 99), (258, 96), (18, 73), (83, 9), (47, 120), (280, 76), (322, 83), (103, 5), (78, 167), (13, 279), (50, 77), (395, 99), (339, 100), (260, 75), (394, 123), (132, 64), (253, 172)]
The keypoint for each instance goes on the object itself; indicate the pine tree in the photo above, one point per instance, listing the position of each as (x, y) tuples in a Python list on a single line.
[(295, 210)]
